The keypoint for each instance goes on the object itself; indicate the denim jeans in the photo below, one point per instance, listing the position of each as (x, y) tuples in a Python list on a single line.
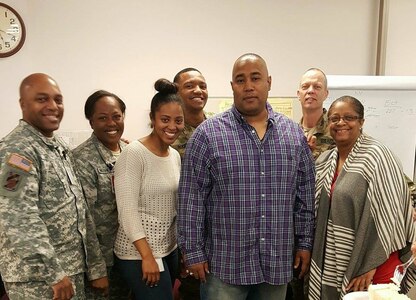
[(131, 271), (215, 289)]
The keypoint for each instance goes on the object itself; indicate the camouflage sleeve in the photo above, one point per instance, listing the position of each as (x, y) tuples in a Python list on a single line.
[(323, 143), (96, 267), (27, 236), (86, 175)]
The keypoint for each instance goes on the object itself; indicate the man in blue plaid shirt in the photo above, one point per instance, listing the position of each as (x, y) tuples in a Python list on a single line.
[(246, 195)]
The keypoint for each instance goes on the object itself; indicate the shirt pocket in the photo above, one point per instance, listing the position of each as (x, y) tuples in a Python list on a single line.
[(54, 187)]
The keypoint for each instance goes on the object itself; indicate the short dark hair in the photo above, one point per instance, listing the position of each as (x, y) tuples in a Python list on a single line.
[(94, 97), (356, 104), (167, 92), (186, 70)]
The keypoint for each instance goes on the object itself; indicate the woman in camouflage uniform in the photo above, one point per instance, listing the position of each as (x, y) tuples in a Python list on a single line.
[(95, 160)]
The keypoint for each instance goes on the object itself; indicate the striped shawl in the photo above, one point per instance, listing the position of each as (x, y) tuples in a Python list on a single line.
[(368, 218)]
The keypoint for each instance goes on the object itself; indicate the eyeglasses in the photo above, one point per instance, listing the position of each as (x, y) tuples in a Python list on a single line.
[(336, 119)]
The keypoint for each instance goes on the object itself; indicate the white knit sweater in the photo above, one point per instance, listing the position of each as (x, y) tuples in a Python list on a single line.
[(146, 189)]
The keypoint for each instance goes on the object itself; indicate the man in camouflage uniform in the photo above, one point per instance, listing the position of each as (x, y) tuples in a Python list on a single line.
[(312, 92), (193, 90), (95, 164), (47, 238)]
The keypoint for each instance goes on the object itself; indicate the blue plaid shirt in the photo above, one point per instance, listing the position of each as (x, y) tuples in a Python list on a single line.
[(245, 204)]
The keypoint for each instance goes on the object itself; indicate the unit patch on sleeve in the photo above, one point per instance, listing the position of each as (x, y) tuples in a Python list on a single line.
[(20, 162), (11, 181)]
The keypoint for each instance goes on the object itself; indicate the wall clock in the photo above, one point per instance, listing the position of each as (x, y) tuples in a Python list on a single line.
[(12, 31)]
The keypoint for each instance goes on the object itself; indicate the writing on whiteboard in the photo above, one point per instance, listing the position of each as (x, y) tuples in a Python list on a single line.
[(390, 116)]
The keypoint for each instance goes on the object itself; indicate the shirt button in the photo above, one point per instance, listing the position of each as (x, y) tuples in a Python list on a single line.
[(263, 195), (263, 216), (262, 239), (262, 173), (253, 131)]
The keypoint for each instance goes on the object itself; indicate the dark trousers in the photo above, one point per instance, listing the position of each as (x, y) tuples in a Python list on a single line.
[(131, 271), (189, 288), (2, 289), (295, 290)]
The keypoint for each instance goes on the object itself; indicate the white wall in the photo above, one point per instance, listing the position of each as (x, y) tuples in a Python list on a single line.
[(401, 42), (124, 46)]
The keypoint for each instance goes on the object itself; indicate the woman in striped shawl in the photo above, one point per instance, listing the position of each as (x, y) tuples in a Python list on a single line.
[(364, 224)]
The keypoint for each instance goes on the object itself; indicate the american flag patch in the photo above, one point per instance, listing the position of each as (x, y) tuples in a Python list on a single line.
[(20, 162)]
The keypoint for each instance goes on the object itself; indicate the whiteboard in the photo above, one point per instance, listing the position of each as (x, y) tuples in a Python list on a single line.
[(389, 110)]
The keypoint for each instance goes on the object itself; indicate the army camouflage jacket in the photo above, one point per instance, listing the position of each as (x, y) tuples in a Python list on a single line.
[(46, 231), (182, 140), (323, 140), (95, 165)]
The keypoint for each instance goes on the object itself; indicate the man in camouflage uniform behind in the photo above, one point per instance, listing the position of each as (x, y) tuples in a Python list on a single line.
[(193, 90), (95, 161), (194, 93), (47, 238), (312, 92)]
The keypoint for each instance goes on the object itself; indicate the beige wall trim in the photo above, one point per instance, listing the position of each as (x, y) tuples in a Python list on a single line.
[(382, 37)]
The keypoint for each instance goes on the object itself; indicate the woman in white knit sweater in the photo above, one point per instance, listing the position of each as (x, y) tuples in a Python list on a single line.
[(146, 182)]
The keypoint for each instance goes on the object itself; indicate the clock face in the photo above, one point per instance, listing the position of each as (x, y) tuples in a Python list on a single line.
[(12, 31)]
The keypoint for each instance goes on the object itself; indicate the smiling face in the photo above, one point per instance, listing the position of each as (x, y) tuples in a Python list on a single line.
[(345, 133), (107, 121), (42, 104), (168, 122), (251, 85), (193, 90), (312, 90)]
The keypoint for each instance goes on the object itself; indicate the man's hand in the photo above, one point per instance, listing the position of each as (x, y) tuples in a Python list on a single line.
[(101, 284), (302, 259), (63, 290), (199, 270), (362, 282)]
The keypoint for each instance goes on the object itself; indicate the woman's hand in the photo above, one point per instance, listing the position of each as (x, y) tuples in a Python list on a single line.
[(151, 272), (362, 282), (150, 269)]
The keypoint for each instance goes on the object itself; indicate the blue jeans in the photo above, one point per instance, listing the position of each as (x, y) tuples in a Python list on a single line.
[(215, 289), (131, 271)]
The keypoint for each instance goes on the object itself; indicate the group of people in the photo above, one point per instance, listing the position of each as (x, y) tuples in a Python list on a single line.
[(254, 200)]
